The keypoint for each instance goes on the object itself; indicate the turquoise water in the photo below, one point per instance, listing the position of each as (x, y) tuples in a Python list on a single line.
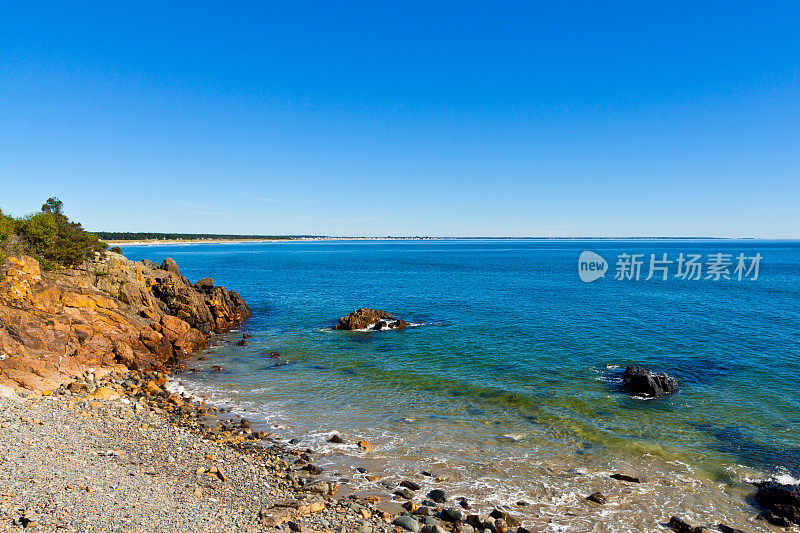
[(515, 359)]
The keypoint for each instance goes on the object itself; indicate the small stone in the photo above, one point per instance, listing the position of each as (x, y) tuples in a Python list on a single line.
[(198, 492), (407, 522), (509, 519), (336, 439), (410, 506), (409, 485), (404, 493), (438, 496), (313, 470), (451, 515), (104, 393), (273, 517)]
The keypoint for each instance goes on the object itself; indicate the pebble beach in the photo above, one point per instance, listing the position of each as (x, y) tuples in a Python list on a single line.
[(104, 461)]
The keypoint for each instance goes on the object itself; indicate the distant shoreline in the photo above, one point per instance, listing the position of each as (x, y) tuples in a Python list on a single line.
[(156, 242)]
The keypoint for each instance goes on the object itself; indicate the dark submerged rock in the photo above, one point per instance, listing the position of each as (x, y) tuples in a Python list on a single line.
[(779, 499), (643, 382), (597, 497), (365, 318), (623, 477), (679, 526)]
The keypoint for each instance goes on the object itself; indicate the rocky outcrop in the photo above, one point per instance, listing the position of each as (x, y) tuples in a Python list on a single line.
[(110, 312), (643, 382), (363, 319), (781, 501)]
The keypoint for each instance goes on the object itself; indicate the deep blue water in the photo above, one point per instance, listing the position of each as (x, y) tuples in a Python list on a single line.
[(514, 346)]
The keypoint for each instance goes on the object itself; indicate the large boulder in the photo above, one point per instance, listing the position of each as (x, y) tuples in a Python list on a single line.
[(365, 319), (170, 265), (779, 500), (643, 382), (205, 284)]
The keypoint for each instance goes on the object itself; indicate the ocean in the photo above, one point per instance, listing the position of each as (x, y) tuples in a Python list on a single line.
[(507, 386)]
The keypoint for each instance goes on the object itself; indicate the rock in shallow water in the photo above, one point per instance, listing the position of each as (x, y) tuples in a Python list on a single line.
[(780, 499), (643, 382), (451, 515), (624, 477), (597, 497), (679, 526), (437, 496), (409, 485), (363, 319)]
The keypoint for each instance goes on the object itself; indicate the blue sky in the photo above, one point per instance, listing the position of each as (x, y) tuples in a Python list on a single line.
[(407, 118)]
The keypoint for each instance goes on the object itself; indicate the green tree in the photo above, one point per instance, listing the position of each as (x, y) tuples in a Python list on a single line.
[(54, 206)]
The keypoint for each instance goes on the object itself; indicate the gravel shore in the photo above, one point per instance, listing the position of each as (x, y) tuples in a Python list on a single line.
[(76, 462)]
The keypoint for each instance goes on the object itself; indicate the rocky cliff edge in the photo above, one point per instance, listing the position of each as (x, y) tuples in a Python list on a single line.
[(109, 314)]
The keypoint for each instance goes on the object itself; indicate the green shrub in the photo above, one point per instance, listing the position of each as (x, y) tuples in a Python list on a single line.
[(115, 249), (6, 226), (54, 239)]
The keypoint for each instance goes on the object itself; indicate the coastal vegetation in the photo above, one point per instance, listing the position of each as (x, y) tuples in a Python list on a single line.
[(49, 236)]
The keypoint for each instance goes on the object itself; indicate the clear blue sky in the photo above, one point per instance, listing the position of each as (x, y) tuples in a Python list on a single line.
[(376, 118)]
